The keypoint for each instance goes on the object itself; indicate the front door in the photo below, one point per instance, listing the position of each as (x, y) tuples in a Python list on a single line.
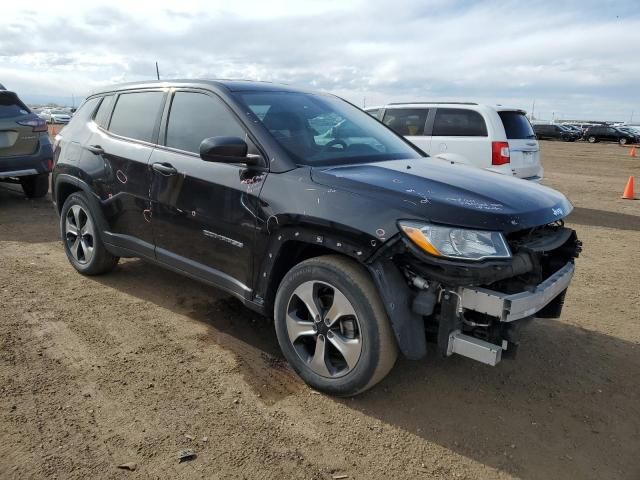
[(203, 213)]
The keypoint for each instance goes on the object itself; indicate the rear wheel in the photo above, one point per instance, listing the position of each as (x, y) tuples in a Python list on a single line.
[(81, 239), (332, 326), (592, 139), (35, 186)]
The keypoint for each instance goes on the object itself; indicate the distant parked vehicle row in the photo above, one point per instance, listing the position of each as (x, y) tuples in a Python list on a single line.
[(556, 132), (605, 133), (50, 115), (495, 138)]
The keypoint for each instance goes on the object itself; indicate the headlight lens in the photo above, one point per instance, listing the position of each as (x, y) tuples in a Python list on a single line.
[(459, 243)]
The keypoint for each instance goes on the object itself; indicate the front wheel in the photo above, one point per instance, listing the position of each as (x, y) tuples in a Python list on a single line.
[(35, 186), (622, 141), (332, 326)]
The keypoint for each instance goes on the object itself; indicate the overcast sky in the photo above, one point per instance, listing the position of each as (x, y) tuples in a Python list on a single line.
[(575, 58)]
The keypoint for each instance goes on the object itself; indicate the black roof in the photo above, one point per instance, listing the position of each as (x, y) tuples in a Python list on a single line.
[(230, 85)]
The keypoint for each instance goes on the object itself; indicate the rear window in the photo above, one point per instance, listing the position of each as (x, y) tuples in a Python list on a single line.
[(516, 125), (136, 114), (406, 121), (11, 106), (457, 122)]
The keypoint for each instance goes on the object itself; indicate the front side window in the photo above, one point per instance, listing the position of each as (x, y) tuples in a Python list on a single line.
[(196, 116), (458, 122), (406, 121), (317, 129), (136, 114)]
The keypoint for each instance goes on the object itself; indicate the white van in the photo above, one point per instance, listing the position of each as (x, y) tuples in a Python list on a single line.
[(492, 137)]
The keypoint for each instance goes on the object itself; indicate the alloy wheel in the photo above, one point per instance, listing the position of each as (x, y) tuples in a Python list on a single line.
[(79, 234), (323, 328)]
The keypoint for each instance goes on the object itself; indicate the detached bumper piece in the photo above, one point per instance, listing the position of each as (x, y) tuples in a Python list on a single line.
[(510, 307), (503, 309)]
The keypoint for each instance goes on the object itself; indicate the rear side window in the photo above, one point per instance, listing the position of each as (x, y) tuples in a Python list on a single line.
[(85, 112), (136, 114), (457, 122), (516, 125), (11, 106), (102, 115), (406, 121), (196, 116)]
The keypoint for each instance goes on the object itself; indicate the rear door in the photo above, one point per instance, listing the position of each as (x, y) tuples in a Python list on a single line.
[(523, 146), (410, 123), (461, 136), (15, 139), (119, 149)]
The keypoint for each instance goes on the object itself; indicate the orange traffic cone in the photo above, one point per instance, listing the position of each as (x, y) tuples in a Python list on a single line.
[(632, 153), (628, 190), (53, 132)]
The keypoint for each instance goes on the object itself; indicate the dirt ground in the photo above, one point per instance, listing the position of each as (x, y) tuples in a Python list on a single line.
[(140, 364)]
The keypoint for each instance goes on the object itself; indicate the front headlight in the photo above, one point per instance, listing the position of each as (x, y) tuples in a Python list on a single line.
[(457, 243)]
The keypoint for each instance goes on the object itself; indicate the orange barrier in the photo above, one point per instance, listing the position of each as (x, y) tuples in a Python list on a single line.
[(628, 190), (632, 152)]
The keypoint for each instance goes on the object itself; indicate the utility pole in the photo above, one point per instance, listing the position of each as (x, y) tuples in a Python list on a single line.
[(533, 109), (631, 119), (364, 102), (157, 71)]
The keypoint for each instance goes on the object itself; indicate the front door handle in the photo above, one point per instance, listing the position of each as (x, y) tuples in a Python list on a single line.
[(95, 149), (165, 169)]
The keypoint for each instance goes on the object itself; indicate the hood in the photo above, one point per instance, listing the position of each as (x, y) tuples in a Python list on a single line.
[(457, 195)]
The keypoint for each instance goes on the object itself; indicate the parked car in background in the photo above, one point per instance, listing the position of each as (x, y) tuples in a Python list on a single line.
[(574, 128), (631, 130), (606, 133), (492, 137), (556, 132), (55, 116), (26, 154), (312, 212)]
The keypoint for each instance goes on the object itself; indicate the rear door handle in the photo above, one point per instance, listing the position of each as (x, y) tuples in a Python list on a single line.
[(165, 169), (95, 149)]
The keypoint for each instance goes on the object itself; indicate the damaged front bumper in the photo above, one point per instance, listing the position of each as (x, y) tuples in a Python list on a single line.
[(505, 308), (475, 310)]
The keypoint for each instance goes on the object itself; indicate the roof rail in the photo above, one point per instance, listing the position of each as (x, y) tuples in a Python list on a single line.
[(432, 103)]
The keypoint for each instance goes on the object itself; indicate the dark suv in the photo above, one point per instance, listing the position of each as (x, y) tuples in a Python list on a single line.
[(555, 132), (26, 155), (351, 238), (605, 133)]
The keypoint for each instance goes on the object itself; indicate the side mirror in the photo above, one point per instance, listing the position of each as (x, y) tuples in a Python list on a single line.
[(226, 150)]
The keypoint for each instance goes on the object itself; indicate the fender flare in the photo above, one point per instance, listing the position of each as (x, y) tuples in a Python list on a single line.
[(407, 325)]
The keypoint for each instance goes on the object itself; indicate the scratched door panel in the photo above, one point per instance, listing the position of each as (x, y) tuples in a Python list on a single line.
[(205, 212)]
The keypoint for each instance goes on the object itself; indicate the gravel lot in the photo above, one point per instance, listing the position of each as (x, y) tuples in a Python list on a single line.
[(140, 364)]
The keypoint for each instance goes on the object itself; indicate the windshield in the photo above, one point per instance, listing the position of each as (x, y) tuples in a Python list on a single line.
[(320, 129), (516, 125)]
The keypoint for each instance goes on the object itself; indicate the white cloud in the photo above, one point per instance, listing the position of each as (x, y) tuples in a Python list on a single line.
[(578, 57)]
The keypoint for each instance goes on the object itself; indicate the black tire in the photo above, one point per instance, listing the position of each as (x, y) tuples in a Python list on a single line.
[(622, 141), (35, 186), (100, 260), (591, 139), (378, 346)]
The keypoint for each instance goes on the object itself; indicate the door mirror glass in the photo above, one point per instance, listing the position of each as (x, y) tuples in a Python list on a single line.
[(226, 150)]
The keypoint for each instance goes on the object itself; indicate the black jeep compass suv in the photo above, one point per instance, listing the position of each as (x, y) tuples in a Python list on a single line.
[(308, 209)]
